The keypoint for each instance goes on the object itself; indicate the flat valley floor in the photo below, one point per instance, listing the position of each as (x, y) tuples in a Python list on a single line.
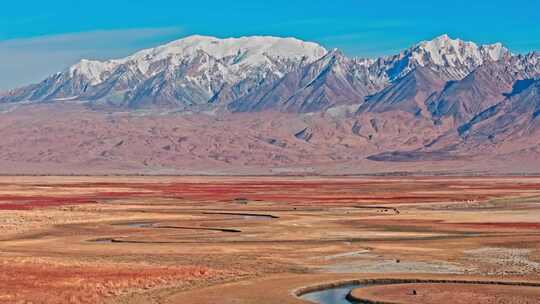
[(196, 240)]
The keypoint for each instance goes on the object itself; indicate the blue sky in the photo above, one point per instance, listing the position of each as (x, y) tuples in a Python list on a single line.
[(41, 37)]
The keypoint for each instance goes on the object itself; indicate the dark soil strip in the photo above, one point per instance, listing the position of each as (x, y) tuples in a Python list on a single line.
[(199, 228), (243, 214)]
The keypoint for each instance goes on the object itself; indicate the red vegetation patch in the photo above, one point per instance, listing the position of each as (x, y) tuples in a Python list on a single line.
[(292, 191), (50, 283), (31, 202)]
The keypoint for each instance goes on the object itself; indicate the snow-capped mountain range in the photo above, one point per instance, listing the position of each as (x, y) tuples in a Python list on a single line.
[(443, 100), (200, 72), (191, 71)]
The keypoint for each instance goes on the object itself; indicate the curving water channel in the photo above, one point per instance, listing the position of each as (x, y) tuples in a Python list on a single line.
[(336, 295), (339, 294)]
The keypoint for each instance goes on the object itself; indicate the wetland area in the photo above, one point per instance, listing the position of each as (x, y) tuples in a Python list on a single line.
[(197, 240)]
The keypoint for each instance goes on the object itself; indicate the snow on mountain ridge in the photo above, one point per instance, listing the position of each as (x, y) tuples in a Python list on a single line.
[(204, 72), (92, 70), (253, 51), (255, 47), (452, 58), (242, 52), (445, 51)]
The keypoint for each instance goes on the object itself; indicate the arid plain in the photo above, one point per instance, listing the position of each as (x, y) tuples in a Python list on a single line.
[(268, 239)]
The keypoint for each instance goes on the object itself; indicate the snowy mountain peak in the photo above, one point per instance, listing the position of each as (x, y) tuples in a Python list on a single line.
[(246, 50), (495, 51), (242, 52), (445, 51), (442, 38), (334, 54), (203, 72), (93, 71)]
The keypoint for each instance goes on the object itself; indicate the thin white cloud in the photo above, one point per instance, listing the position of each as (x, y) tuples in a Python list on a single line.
[(28, 60)]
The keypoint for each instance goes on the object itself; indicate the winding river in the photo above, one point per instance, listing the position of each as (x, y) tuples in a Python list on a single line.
[(337, 295)]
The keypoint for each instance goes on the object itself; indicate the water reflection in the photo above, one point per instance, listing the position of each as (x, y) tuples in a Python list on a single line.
[(330, 296)]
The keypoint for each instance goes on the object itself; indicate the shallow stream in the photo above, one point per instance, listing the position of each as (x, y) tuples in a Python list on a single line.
[(337, 295)]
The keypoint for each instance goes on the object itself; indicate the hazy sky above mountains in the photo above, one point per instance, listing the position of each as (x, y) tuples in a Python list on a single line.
[(38, 38)]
